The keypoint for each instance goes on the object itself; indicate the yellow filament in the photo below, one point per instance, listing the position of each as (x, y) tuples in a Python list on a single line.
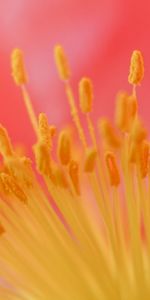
[(112, 169), (90, 160), (61, 63), (75, 116), (64, 147), (85, 95), (108, 133), (136, 68), (30, 109), (18, 68)]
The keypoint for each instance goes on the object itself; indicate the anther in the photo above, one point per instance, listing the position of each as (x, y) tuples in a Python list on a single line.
[(108, 133), (64, 147), (85, 95), (61, 63), (74, 175), (112, 169), (90, 160), (42, 157), (44, 130), (18, 68), (5, 143), (136, 68)]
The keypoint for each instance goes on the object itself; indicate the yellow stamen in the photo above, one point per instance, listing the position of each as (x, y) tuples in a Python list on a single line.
[(144, 158), (126, 110), (5, 143), (64, 147), (44, 130), (74, 174), (60, 178), (18, 67), (90, 160), (20, 77), (30, 109), (61, 63), (138, 132), (42, 156), (108, 133), (52, 130), (112, 169), (11, 186), (85, 95), (75, 116), (136, 68)]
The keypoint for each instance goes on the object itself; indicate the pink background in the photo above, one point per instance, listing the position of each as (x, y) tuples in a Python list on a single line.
[(98, 35)]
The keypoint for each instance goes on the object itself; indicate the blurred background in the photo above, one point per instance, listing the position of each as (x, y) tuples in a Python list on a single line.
[(98, 36)]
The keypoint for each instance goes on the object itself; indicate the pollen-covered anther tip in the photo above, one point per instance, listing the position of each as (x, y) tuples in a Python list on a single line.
[(44, 131), (86, 95), (64, 147), (18, 68), (90, 160), (62, 63), (136, 73), (112, 168)]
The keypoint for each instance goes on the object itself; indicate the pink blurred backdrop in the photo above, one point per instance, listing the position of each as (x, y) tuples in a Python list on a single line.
[(98, 35)]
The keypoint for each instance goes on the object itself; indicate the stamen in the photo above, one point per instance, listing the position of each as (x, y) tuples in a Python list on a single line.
[(20, 168), (85, 95), (144, 158), (136, 68), (64, 147), (11, 186), (44, 130), (60, 178), (42, 157), (90, 160), (138, 132), (62, 63), (74, 175), (108, 133), (112, 169), (18, 67), (126, 111), (5, 143), (75, 115), (52, 130), (20, 77)]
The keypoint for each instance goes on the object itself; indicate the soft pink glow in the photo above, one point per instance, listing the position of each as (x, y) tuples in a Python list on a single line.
[(98, 36)]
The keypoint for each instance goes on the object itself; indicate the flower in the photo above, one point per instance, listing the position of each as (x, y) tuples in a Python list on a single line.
[(97, 244)]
